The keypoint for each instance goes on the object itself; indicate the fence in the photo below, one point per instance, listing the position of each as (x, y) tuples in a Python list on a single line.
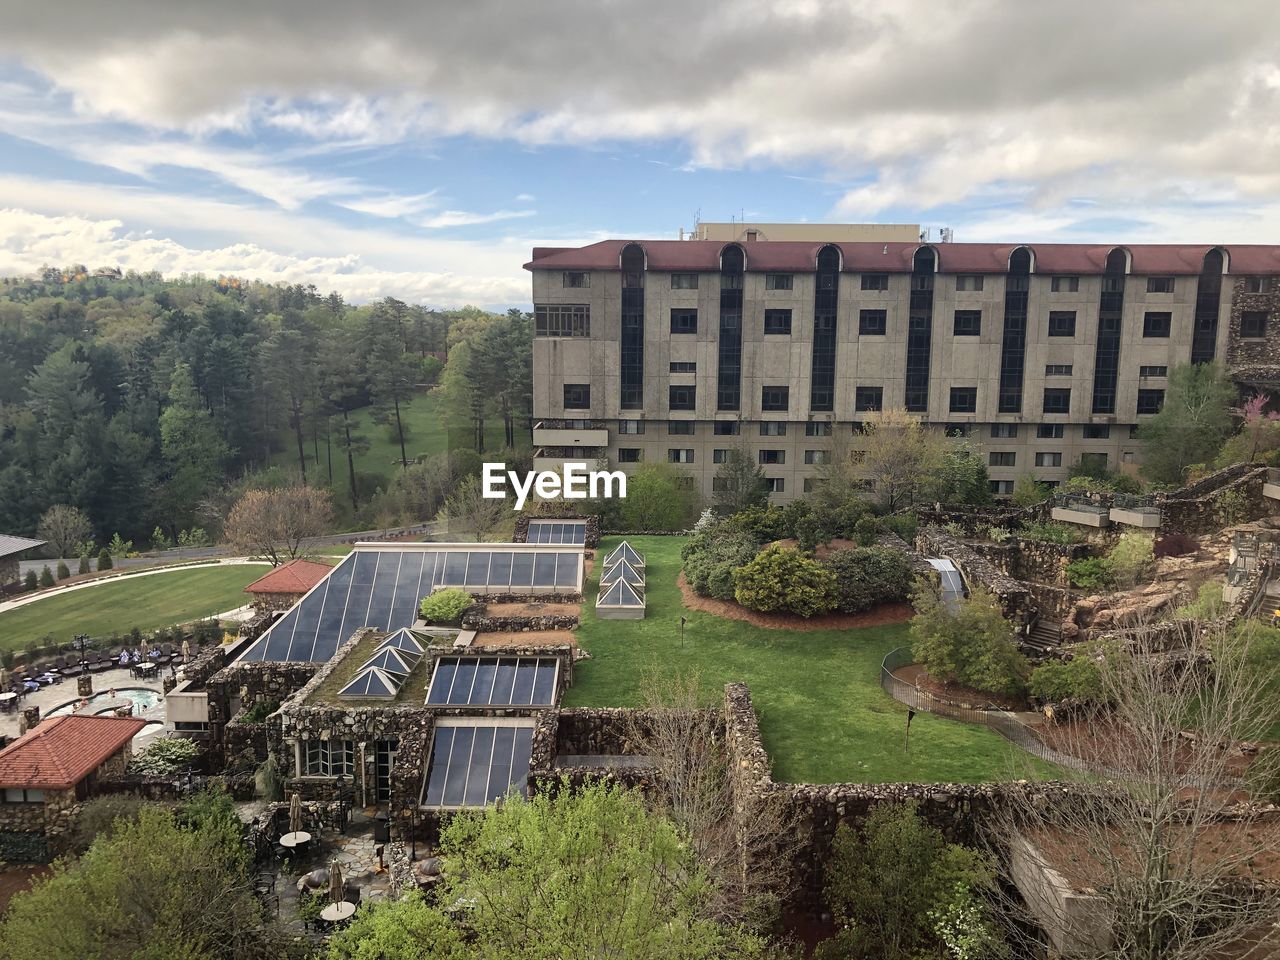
[(1001, 721)]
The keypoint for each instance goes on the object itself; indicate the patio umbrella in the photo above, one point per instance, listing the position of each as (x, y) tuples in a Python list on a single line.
[(336, 893), (295, 813), (186, 651), (3, 678), (144, 646)]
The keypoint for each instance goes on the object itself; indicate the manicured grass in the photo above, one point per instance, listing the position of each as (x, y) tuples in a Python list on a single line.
[(157, 600), (822, 713)]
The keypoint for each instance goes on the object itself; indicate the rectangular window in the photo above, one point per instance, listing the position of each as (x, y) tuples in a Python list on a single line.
[(631, 428), (726, 428), (868, 398), (628, 454), (1150, 401), (875, 281), (815, 457), (964, 399), (1259, 284), (772, 457), (806, 485), (1057, 369), (682, 397), (777, 321), (1048, 459), (1004, 431), (968, 323), (23, 795), (998, 459), (329, 758), (679, 428), (776, 484), (1057, 400), (1096, 461), (1153, 371), (1064, 284), (1156, 324), (817, 428), (720, 456), (1050, 431), (958, 429), (1253, 324), (683, 366), (576, 279), (872, 323), (1001, 488), (1096, 431), (1062, 323), (777, 281), (684, 281), (684, 320), (1159, 284), (968, 281), (680, 455), (774, 398), (577, 396), (773, 428), (562, 320)]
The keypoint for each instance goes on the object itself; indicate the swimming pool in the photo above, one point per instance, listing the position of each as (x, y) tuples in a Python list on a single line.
[(143, 699)]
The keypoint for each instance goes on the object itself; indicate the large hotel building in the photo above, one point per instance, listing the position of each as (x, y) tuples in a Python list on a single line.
[(779, 339)]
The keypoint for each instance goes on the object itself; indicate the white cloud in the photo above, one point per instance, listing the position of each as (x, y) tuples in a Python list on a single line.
[(462, 218)]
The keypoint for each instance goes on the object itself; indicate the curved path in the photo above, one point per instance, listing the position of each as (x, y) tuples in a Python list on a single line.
[(98, 581)]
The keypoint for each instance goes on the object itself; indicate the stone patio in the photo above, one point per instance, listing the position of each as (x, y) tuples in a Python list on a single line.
[(55, 695)]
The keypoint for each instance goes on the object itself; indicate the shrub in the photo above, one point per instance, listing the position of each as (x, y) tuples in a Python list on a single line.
[(782, 579), (867, 530), (969, 642), (809, 532), (1090, 573), (998, 534), (63, 570), (165, 757), (30, 581), (903, 524), (763, 524), (445, 606), (102, 816), (1079, 678), (46, 577), (1208, 604), (260, 711), (868, 576), (1233, 508), (1175, 545), (1131, 559), (1027, 491), (954, 529), (711, 557), (84, 565), (1051, 532), (104, 559)]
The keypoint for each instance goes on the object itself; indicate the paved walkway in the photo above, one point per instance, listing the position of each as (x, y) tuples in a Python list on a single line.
[(99, 581)]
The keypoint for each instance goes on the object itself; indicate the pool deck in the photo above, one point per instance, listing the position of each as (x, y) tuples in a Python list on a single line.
[(55, 695)]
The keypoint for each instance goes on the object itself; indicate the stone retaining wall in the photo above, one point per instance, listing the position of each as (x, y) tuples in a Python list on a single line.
[(1013, 596), (476, 619), (592, 531), (1035, 560), (1237, 500), (485, 598)]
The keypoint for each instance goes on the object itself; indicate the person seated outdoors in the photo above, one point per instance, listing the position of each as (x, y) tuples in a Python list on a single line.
[(137, 655)]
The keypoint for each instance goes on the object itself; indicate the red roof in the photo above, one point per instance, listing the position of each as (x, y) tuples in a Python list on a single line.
[(867, 257), (62, 751), (296, 576)]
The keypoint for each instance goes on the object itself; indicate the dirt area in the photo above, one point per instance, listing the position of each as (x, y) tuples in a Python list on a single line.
[(16, 879), (877, 616), (532, 609), (526, 638), (956, 693), (1109, 743)]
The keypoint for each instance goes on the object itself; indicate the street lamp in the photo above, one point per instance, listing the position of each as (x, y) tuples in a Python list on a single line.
[(81, 642)]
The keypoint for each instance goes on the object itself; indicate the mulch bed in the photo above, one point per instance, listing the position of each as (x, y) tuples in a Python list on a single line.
[(525, 638), (1106, 742), (15, 879), (875, 617), (955, 693), (532, 609)]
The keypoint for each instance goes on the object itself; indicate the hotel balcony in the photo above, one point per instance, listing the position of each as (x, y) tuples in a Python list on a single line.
[(1082, 511), (554, 458), (1271, 486), (570, 433), (1135, 512)]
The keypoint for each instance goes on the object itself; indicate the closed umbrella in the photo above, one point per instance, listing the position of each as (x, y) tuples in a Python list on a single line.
[(336, 893), (186, 651), (144, 648), (4, 677), (295, 814)]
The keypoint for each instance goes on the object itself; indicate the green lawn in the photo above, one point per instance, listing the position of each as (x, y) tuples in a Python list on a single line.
[(822, 713), (158, 600)]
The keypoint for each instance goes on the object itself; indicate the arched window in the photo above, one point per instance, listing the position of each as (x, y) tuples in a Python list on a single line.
[(733, 262), (826, 296), (1204, 333), (1119, 262), (631, 359), (1022, 261), (1013, 346), (733, 259), (633, 265)]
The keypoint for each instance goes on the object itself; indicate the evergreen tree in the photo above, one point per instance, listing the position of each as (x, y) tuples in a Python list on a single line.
[(195, 455), (46, 577), (1193, 424), (739, 484)]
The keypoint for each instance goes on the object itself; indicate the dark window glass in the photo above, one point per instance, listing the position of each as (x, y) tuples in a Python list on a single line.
[(777, 281), (562, 320), (1049, 431), (822, 380), (1057, 400), (1253, 324), (684, 281), (631, 427), (773, 457), (1005, 431), (1159, 284), (1062, 323), (631, 372), (818, 428), (680, 428), (868, 398), (1002, 459), (1106, 358), (729, 373), (872, 323), (775, 484), (1150, 401), (920, 331), (968, 323), (1160, 371), (1013, 345), (777, 321), (577, 396), (577, 279), (773, 428), (681, 397), (1157, 324), (875, 281), (1097, 431), (683, 366), (726, 428), (1057, 369), (628, 454), (964, 399), (1204, 324), (774, 398), (684, 320)]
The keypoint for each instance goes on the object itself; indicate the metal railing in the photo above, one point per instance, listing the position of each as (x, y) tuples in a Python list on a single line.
[(1135, 502), (1085, 504)]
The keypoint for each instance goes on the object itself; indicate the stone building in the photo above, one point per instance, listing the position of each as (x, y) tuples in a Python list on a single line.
[(286, 584), (1043, 355), (48, 771), (11, 551)]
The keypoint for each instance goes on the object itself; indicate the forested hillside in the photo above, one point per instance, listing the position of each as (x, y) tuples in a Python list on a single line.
[(151, 403)]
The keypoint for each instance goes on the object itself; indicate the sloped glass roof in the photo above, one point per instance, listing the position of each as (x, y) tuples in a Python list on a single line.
[(621, 594), (372, 683), (557, 531), (475, 762), (392, 661), (622, 570), (624, 551), (405, 641), (494, 682)]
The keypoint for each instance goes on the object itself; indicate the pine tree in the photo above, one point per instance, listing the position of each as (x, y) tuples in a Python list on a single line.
[(46, 577)]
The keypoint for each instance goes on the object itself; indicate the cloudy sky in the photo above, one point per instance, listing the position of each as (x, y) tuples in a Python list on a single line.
[(420, 149)]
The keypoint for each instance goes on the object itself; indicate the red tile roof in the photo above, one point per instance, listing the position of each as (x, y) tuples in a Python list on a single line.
[(296, 576), (863, 257), (61, 752)]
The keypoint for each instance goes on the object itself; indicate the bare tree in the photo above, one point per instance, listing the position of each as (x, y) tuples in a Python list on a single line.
[(469, 512), (901, 456), (66, 528), (744, 840), (1166, 858), (275, 523)]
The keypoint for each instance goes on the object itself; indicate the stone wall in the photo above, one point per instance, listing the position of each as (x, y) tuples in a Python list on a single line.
[(1034, 560), (1262, 352), (1223, 499), (1013, 596), (36, 832), (571, 597), (476, 619), (271, 602), (9, 570), (592, 532), (974, 520)]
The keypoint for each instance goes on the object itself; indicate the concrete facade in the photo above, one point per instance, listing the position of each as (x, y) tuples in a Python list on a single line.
[(1063, 279)]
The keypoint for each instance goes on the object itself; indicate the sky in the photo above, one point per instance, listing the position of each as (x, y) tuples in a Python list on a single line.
[(420, 149)]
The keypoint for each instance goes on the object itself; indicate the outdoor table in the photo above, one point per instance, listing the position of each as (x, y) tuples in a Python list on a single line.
[(297, 839), (145, 668), (8, 697), (337, 912)]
